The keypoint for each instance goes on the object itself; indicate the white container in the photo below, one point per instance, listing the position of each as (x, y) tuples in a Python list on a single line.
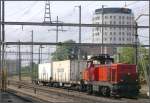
[(67, 71), (44, 71)]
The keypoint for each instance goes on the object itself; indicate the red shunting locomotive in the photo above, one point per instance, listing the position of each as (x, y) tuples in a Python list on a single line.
[(103, 76)]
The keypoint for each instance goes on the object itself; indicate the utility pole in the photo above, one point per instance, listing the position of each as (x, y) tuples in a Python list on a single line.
[(136, 45), (19, 54), (79, 50), (57, 30), (41, 47), (3, 47), (147, 74), (102, 28), (32, 56), (149, 55), (80, 24), (0, 50), (39, 54), (39, 61)]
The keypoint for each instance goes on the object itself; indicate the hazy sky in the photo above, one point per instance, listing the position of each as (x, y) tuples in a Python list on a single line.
[(67, 12)]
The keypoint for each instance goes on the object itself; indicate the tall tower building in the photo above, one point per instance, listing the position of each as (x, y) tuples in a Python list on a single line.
[(114, 35)]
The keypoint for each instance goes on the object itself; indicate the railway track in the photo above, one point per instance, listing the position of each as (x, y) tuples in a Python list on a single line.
[(62, 92), (69, 94)]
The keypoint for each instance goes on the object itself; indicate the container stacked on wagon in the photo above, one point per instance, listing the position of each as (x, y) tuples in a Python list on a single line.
[(98, 75)]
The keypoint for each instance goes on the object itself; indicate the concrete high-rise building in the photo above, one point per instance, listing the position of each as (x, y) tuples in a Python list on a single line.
[(114, 35)]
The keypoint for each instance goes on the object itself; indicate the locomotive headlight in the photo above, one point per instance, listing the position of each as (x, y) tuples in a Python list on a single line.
[(128, 73), (121, 80)]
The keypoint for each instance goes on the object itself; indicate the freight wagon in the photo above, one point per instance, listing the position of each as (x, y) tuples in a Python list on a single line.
[(59, 73), (99, 75)]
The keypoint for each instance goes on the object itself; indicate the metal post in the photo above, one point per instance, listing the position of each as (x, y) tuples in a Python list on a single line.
[(136, 45), (56, 36), (0, 49), (3, 47), (80, 24), (19, 61), (79, 50), (39, 54), (149, 55), (32, 56), (102, 28), (57, 30)]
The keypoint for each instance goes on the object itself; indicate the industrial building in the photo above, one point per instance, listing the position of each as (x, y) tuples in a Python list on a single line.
[(113, 16)]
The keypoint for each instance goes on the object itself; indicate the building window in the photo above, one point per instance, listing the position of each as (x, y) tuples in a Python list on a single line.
[(110, 38), (114, 22), (106, 17), (123, 22), (122, 17), (114, 38), (110, 17), (110, 33), (122, 39), (114, 33), (119, 33), (114, 17), (122, 33), (119, 17), (119, 39), (129, 34), (119, 22), (110, 22), (105, 39), (127, 17)]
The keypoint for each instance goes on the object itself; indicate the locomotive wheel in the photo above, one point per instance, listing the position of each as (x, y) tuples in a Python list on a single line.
[(105, 91), (89, 89)]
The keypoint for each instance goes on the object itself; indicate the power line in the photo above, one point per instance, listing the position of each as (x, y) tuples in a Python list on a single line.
[(130, 4), (72, 24), (73, 44)]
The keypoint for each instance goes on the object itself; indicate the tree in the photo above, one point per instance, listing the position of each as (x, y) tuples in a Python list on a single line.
[(64, 52), (26, 70), (127, 55)]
